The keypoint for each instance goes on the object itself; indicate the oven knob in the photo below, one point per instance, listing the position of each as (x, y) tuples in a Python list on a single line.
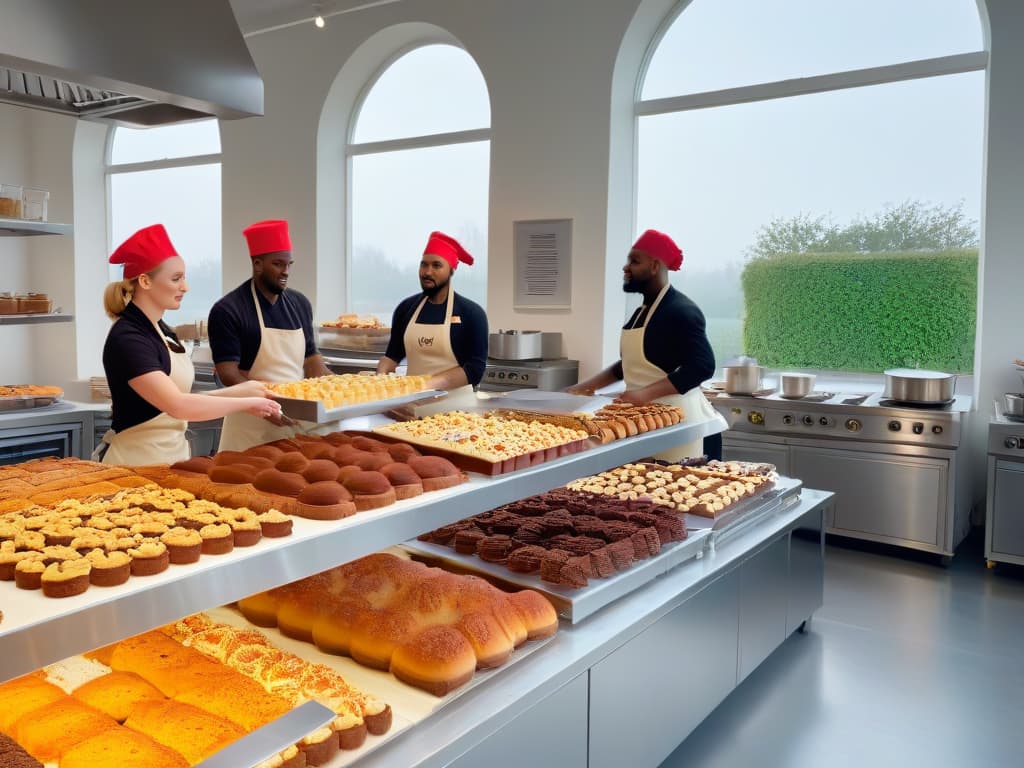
[(918, 428), (755, 417), (526, 377), (895, 426), (513, 375), (501, 375), (937, 429), (853, 425), (787, 419), (808, 421), (1012, 442)]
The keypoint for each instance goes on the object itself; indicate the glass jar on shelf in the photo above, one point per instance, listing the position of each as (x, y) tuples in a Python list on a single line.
[(34, 204), (10, 201)]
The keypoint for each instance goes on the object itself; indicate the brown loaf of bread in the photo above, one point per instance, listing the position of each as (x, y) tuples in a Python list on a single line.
[(320, 470), (122, 748), (279, 482), (364, 443), (325, 500), (232, 473), (292, 461), (370, 489), (192, 732), (117, 693), (402, 451), (372, 460), (313, 451), (431, 628), (271, 452), (23, 695), (51, 730)]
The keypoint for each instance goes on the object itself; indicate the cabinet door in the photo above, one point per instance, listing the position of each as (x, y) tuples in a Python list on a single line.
[(553, 732), (738, 449), (882, 495), (1008, 508), (648, 695), (764, 594)]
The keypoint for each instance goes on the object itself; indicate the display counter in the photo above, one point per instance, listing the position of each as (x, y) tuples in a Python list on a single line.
[(679, 644)]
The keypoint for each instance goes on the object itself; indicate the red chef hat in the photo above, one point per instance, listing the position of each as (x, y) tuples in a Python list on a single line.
[(447, 248), (267, 237), (144, 251), (660, 246)]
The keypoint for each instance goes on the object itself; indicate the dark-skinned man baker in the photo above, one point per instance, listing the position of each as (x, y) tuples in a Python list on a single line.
[(440, 333), (664, 349), (263, 330)]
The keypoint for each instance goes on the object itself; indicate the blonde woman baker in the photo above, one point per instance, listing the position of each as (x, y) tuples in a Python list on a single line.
[(148, 372), (438, 332)]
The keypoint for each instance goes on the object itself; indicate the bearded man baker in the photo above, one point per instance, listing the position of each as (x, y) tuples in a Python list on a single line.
[(441, 334), (263, 330), (664, 349)]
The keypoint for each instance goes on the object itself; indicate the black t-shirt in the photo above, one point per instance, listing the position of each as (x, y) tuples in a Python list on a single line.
[(675, 341), (234, 327), (133, 348), (468, 335)]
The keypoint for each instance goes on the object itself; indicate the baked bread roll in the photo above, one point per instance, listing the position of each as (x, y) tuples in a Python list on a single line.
[(121, 748)]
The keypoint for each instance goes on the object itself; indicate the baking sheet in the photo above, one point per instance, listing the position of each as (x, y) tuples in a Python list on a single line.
[(314, 410), (574, 604), (24, 402), (553, 402), (409, 705), (749, 512)]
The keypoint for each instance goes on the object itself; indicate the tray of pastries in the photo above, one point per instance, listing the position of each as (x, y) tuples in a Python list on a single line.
[(581, 550), (20, 396), (614, 421), (25, 304), (487, 443), (358, 333), (326, 399)]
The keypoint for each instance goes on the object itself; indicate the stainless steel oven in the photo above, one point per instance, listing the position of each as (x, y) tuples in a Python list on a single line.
[(896, 471), (27, 443), (1004, 509)]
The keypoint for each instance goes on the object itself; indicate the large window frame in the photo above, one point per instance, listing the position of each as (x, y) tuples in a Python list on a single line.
[(966, 62), (355, 149)]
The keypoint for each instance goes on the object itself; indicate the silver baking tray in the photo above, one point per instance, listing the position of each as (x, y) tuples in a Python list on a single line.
[(574, 604), (24, 402), (744, 514), (314, 410)]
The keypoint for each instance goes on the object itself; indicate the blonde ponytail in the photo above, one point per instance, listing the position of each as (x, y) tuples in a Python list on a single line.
[(116, 297)]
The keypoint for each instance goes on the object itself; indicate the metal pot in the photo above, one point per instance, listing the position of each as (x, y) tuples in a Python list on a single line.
[(796, 384), (1014, 404), (743, 379), (910, 385)]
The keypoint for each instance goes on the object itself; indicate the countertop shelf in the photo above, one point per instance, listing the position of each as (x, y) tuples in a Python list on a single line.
[(23, 228), (52, 317), (37, 630)]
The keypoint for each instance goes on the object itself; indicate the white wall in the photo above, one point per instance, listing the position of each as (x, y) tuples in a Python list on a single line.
[(14, 169)]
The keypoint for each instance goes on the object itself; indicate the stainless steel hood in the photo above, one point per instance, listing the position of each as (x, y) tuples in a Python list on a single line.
[(134, 62)]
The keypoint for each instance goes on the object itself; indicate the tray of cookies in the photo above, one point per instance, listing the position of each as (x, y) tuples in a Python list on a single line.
[(581, 550), (15, 397), (488, 444), (326, 399)]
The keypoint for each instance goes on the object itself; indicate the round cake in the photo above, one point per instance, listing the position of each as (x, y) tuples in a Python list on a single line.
[(280, 482), (293, 461), (67, 578), (320, 469), (184, 545), (435, 472), (275, 524)]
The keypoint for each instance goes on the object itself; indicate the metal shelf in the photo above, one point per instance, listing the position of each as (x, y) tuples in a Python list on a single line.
[(35, 319), (23, 228), (37, 631)]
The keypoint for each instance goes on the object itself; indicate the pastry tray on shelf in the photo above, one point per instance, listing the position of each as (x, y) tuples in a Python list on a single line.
[(470, 463), (572, 604), (315, 411), (409, 705), (24, 402), (743, 514)]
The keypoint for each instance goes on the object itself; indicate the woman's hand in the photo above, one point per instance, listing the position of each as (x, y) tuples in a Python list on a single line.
[(264, 407), (634, 397), (579, 389), (251, 388)]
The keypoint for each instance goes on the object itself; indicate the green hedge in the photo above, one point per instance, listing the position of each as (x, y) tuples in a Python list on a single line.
[(862, 312)]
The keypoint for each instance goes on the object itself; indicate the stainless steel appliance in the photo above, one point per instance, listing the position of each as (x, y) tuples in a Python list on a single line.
[(524, 345), (52, 431), (550, 375), (1004, 507), (896, 471)]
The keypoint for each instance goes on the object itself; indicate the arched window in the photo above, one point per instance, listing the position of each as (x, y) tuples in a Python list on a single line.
[(171, 175), (419, 159), (809, 128)]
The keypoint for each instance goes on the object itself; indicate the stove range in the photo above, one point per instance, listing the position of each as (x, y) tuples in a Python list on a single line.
[(847, 416)]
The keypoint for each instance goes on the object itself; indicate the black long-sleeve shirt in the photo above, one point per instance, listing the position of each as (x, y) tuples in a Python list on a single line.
[(675, 341), (468, 331)]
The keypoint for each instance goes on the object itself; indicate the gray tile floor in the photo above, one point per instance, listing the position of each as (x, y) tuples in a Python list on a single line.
[(906, 664)]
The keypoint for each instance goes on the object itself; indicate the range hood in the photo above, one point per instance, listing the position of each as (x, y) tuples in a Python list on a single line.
[(139, 63)]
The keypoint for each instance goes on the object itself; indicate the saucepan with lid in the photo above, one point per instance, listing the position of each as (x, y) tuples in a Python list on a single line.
[(743, 376)]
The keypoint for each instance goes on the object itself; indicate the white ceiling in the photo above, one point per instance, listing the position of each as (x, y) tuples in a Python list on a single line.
[(255, 15)]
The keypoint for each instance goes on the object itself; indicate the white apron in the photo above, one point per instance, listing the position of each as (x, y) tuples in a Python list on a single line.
[(428, 350), (160, 440), (280, 358), (640, 372)]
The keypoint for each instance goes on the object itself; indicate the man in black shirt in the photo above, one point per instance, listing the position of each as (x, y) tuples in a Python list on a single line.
[(665, 354), (263, 330), (441, 334)]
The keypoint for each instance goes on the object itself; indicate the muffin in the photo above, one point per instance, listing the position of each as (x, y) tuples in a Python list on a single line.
[(108, 569), (66, 578), (184, 545), (217, 539), (149, 558), (275, 524)]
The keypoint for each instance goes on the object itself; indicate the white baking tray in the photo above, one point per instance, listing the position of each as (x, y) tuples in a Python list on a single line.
[(314, 410)]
